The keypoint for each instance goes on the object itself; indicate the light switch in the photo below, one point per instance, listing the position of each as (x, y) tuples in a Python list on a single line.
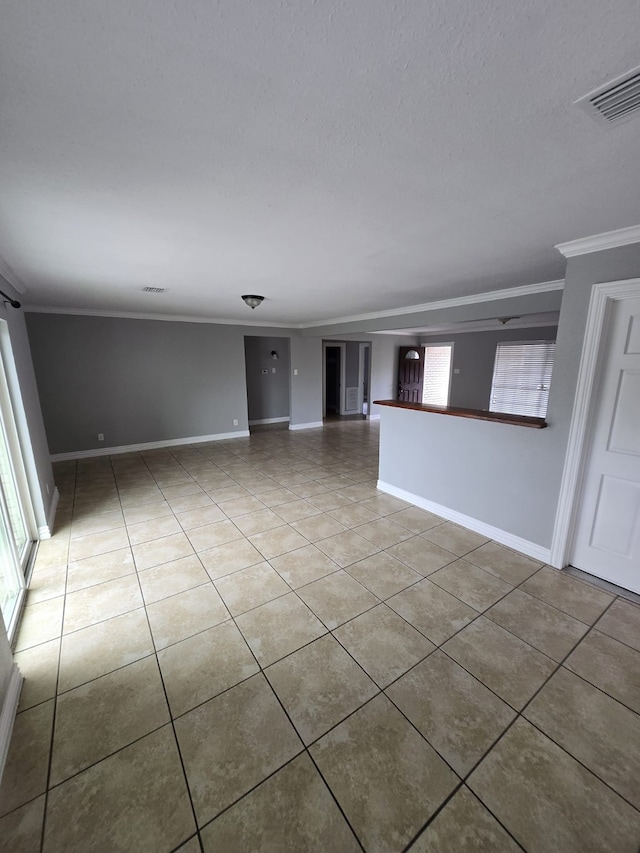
[(273, 370), (295, 371), (456, 370)]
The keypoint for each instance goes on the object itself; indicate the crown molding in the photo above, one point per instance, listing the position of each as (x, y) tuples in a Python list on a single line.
[(489, 296), (600, 242), (139, 315), (9, 275)]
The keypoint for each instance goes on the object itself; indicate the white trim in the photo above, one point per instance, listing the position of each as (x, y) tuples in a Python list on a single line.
[(362, 346), (46, 531), (489, 296), (311, 425), (269, 421), (602, 297), (374, 417), (8, 714), (148, 445), (600, 242), (142, 315), (531, 549)]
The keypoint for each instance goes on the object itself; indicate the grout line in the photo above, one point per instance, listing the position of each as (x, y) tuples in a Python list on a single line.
[(57, 681), (166, 699), (286, 449)]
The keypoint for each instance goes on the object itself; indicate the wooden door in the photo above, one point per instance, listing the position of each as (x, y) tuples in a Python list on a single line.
[(607, 539), (410, 374)]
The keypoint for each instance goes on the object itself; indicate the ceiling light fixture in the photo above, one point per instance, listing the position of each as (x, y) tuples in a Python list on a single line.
[(252, 300)]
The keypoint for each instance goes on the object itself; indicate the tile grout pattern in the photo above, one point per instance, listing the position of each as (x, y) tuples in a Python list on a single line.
[(185, 590)]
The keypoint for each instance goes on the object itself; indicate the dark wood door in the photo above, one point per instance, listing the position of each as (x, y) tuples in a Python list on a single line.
[(410, 374)]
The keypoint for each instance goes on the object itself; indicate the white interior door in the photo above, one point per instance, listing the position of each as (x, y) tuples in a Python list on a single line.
[(607, 537)]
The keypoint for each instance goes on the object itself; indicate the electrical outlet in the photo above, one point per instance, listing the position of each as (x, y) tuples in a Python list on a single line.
[(100, 436), (264, 371), (235, 422), (48, 492)]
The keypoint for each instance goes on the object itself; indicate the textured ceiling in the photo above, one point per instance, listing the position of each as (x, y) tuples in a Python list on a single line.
[(337, 157)]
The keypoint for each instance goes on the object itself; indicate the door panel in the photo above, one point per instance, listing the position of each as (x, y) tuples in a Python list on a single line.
[(615, 516), (410, 374), (607, 538), (625, 428)]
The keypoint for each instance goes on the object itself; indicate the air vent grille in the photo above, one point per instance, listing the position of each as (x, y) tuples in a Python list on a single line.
[(616, 101), (154, 289)]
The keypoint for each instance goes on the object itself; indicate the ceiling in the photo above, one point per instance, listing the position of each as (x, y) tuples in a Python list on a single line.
[(336, 157), (546, 319)]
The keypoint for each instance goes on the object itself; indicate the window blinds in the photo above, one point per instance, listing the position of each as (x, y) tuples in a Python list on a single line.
[(437, 374), (521, 378)]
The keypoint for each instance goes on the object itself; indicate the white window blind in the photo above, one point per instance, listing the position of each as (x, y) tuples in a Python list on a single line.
[(521, 378), (437, 374)]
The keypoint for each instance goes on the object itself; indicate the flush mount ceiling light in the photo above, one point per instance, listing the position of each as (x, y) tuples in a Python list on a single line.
[(252, 300)]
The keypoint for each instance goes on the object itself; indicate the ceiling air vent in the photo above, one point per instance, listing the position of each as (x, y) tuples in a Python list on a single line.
[(615, 102), (153, 289)]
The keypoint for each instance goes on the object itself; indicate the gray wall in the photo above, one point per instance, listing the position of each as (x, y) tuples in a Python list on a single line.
[(306, 383), (352, 364), (267, 393), (506, 476), (135, 381), (474, 355)]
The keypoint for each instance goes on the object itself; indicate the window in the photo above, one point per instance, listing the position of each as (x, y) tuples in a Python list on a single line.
[(437, 374), (521, 378)]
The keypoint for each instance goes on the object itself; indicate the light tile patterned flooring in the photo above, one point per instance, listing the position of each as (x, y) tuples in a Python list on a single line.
[(244, 646)]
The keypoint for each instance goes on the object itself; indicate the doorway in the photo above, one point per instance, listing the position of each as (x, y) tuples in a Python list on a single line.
[(334, 363), (411, 374), (598, 524), (607, 538)]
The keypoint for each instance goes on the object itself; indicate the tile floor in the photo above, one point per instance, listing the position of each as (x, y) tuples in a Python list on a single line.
[(244, 646)]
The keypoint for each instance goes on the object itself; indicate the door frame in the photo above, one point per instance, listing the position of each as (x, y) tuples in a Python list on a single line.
[(452, 346), (603, 297), (343, 375), (361, 377)]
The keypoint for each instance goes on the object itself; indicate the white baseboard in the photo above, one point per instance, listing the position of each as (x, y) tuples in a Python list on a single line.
[(374, 417), (46, 531), (312, 425), (269, 421), (516, 543), (148, 445), (8, 714)]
